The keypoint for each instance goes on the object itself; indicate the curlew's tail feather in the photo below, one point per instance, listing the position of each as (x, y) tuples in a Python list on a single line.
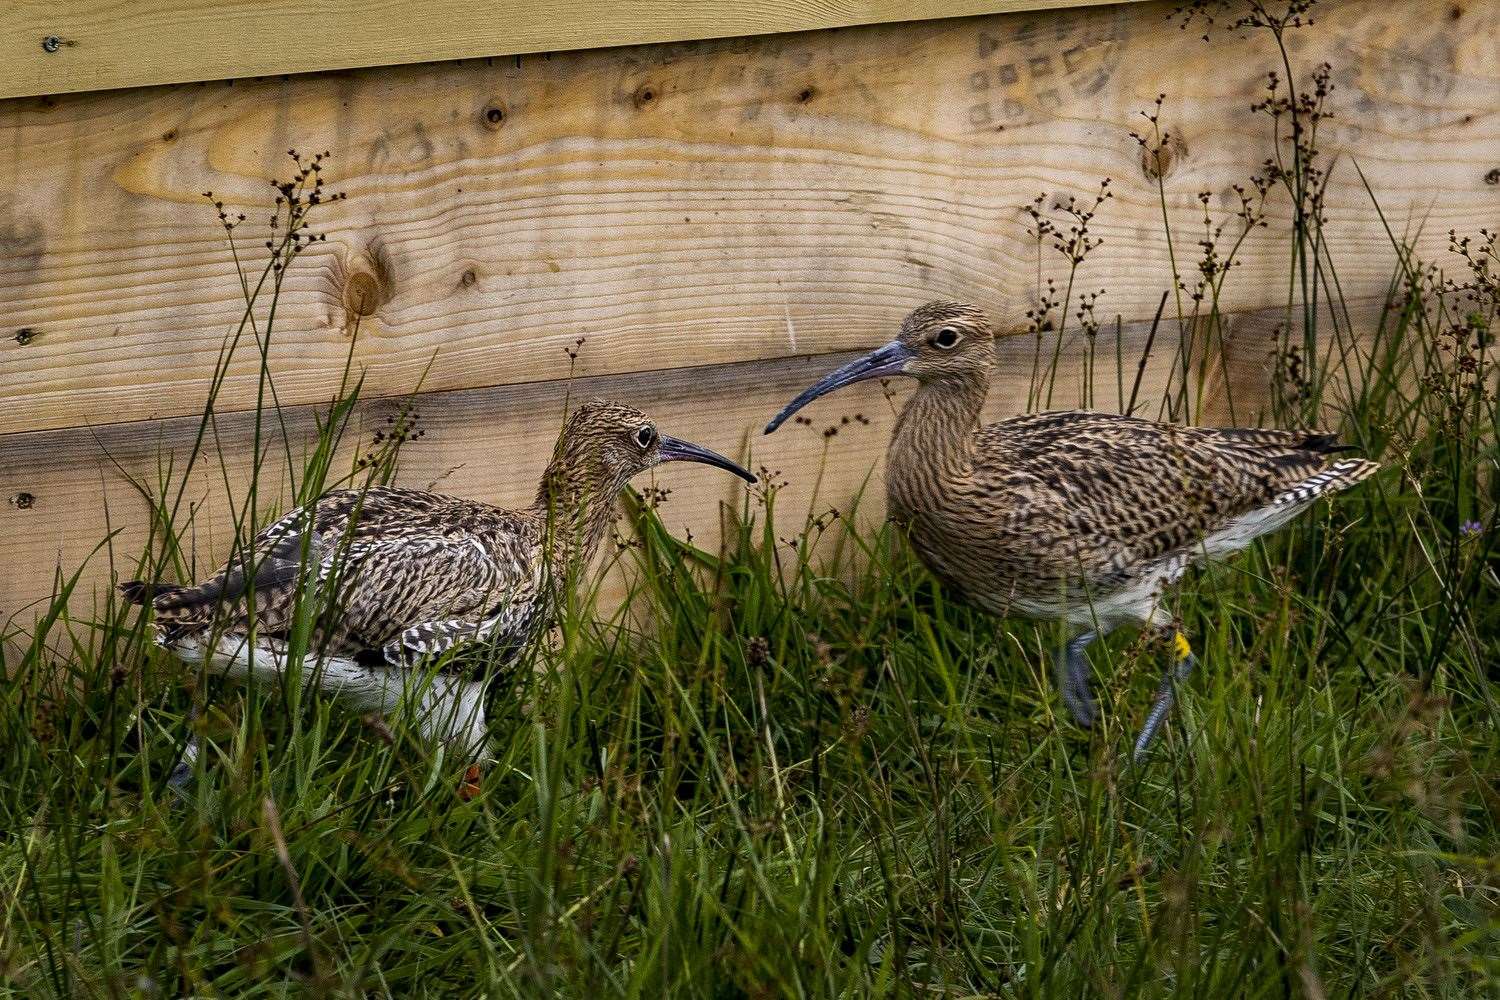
[(1286, 505), (171, 601), (141, 592), (1323, 443), (1338, 476)]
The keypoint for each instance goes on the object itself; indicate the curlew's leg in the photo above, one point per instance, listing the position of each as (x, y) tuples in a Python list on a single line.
[(1073, 679), (1183, 662), (182, 771)]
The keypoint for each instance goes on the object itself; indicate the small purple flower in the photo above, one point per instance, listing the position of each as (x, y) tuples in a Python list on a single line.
[(1470, 528)]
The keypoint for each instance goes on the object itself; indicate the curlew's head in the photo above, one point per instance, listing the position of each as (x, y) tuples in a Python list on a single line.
[(938, 341), (604, 444)]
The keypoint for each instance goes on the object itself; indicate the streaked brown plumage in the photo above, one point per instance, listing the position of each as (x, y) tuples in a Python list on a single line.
[(415, 573), (1074, 515)]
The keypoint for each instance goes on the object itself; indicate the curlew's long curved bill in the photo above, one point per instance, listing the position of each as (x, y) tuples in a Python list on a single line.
[(676, 450), (883, 361)]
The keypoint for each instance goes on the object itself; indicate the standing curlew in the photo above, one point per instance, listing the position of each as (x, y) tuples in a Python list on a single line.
[(1075, 516), (406, 574)]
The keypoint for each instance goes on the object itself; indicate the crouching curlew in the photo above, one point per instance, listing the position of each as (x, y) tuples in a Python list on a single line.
[(405, 574), (1074, 515)]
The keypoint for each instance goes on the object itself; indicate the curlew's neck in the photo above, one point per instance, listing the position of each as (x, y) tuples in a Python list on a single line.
[(934, 440), (576, 508)]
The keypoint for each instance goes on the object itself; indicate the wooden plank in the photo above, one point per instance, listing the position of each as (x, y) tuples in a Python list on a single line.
[(676, 204), (68, 46), (493, 443)]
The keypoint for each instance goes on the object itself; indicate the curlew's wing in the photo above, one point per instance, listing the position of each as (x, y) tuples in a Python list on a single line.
[(419, 594), (402, 571), (1124, 492)]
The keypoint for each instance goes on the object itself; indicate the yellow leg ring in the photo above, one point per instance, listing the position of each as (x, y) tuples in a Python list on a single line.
[(1181, 646)]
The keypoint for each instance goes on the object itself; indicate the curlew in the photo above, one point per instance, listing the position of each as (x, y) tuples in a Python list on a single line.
[(406, 574), (1074, 516)]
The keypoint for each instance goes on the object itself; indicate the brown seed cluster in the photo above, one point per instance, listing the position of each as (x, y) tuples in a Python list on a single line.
[(769, 482), (653, 497), (1463, 335), (1071, 237), (1298, 113), (1242, 16), (844, 421), (288, 222), (400, 428)]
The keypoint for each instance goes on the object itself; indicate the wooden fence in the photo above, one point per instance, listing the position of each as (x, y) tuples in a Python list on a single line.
[(713, 218)]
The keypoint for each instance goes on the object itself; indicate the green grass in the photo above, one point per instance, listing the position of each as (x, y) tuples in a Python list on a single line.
[(803, 769)]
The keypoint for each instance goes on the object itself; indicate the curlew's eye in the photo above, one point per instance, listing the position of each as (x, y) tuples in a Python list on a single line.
[(645, 436), (945, 338)]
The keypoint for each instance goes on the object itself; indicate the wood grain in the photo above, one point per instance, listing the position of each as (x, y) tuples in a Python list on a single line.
[(676, 205), (142, 42), (493, 443)]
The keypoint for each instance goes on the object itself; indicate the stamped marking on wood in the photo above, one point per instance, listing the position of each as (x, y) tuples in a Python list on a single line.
[(1041, 67)]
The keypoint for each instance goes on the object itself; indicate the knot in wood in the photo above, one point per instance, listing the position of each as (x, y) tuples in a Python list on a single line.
[(362, 293), (1159, 160), (368, 280)]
